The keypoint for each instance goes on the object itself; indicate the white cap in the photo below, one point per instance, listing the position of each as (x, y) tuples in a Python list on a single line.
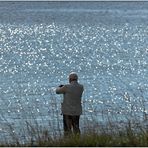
[(73, 76)]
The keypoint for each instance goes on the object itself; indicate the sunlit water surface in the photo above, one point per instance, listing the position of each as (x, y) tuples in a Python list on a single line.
[(37, 54)]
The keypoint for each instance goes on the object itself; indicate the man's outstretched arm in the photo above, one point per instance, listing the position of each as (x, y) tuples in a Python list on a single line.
[(61, 90)]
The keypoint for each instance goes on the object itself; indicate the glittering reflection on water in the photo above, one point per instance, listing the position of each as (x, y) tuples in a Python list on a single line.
[(111, 62)]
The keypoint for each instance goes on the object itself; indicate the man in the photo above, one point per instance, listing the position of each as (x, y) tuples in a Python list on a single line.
[(71, 106)]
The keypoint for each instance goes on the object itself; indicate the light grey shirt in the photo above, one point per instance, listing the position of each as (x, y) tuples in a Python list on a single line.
[(72, 94)]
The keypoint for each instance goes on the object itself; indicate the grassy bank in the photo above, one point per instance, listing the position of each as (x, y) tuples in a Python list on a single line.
[(106, 137), (93, 140)]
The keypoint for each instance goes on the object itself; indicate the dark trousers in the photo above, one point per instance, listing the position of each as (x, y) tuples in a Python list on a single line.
[(71, 124)]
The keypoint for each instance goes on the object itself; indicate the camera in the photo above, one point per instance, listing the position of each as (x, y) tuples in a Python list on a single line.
[(61, 85)]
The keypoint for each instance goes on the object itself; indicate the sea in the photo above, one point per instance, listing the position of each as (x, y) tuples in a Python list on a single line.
[(41, 42)]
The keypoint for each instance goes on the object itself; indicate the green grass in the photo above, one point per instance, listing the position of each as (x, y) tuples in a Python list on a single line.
[(90, 138), (95, 140), (126, 138), (132, 134)]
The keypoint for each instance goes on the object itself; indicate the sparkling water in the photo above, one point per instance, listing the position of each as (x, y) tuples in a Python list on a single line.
[(106, 43)]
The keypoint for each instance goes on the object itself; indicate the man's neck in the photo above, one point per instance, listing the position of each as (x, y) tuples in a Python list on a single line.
[(74, 81)]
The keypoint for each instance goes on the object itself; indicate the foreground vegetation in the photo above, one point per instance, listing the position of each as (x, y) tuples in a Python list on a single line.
[(95, 140), (128, 138)]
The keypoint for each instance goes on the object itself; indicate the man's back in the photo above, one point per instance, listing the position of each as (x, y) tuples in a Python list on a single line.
[(72, 99)]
